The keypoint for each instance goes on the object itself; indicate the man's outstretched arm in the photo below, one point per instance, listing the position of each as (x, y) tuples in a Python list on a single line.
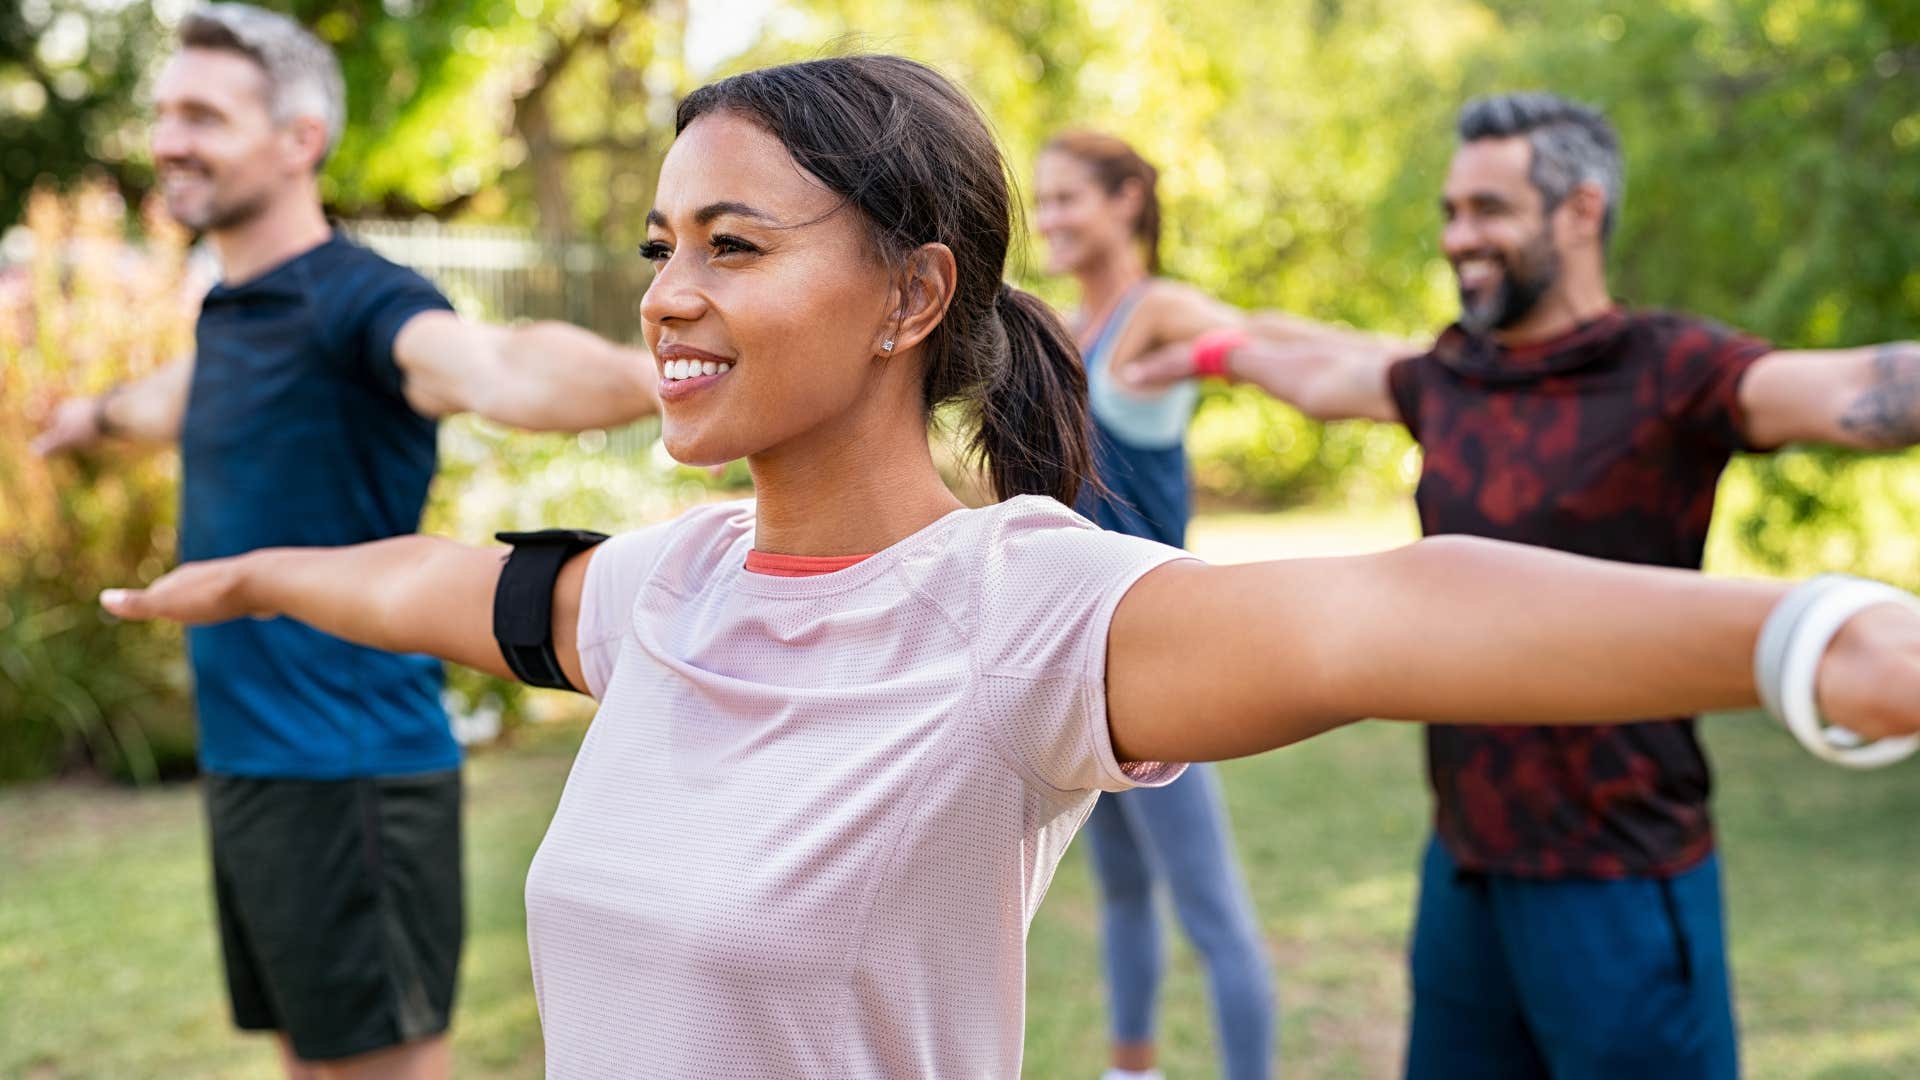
[(1866, 398), (1327, 372), (543, 376), (147, 409)]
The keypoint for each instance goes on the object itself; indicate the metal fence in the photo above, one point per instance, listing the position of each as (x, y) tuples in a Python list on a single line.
[(504, 273)]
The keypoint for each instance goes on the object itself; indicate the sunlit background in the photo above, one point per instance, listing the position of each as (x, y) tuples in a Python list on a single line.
[(508, 148)]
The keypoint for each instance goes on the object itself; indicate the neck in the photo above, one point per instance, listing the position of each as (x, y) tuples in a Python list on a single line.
[(286, 228), (1579, 298), (1103, 281), (860, 488)]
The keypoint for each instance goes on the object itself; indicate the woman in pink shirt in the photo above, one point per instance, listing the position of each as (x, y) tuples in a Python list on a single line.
[(807, 830)]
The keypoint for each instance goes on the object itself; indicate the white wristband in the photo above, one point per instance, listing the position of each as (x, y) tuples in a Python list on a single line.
[(1787, 662)]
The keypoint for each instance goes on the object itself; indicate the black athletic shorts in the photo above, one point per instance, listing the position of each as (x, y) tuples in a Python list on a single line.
[(340, 906)]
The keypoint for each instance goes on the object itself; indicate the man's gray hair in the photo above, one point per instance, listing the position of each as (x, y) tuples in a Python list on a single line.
[(1572, 144), (303, 75)]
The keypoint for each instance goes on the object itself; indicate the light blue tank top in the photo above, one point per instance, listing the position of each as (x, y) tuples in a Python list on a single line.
[(1155, 420)]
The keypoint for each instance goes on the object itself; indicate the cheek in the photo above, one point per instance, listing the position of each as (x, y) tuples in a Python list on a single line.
[(1510, 239), (803, 344), (809, 311)]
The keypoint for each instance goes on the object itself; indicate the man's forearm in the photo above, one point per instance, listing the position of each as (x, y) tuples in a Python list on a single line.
[(557, 377), (1885, 412), (148, 409)]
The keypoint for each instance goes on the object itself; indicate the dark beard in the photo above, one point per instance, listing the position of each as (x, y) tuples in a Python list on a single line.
[(1524, 279)]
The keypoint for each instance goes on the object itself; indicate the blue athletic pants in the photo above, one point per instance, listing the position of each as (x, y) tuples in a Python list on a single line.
[(1516, 979), (1177, 836)]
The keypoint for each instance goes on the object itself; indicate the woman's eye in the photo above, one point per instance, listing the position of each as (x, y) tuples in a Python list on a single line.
[(729, 245), (655, 251)]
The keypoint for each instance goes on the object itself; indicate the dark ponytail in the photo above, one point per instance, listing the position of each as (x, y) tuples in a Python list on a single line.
[(908, 149), (1032, 429)]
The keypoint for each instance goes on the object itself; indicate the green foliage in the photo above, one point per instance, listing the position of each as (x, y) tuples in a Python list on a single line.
[(1773, 158), (75, 685), (1772, 176), (69, 71), (1302, 143), (535, 112)]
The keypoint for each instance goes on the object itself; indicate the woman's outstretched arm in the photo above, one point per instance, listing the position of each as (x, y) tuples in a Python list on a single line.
[(409, 594), (1214, 662)]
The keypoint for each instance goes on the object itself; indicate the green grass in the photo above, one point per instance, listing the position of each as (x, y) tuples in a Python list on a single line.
[(108, 965), (108, 961)]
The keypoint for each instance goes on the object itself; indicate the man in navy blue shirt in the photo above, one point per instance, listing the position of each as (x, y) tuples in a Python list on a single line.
[(307, 416)]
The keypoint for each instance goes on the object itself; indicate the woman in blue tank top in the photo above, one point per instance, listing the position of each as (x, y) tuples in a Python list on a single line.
[(1100, 217)]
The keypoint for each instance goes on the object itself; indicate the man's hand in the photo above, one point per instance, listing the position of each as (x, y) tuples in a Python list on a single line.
[(72, 425), (1158, 368), (147, 409)]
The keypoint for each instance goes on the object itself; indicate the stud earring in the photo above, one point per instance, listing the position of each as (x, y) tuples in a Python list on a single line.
[(887, 345)]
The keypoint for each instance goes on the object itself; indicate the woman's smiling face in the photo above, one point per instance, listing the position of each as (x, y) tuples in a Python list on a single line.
[(766, 284)]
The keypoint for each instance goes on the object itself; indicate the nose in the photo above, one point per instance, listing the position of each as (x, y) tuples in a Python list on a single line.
[(673, 295), (168, 139), (1460, 236)]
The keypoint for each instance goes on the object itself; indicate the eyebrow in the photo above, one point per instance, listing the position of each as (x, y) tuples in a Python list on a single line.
[(1476, 198), (707, 213)]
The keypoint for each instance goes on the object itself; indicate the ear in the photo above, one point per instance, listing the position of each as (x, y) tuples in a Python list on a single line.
[(1585, 210), (1132, 197), (304, 143), (920, 298)]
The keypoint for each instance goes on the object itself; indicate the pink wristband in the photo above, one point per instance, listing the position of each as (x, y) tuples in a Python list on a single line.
[(1211, 348)]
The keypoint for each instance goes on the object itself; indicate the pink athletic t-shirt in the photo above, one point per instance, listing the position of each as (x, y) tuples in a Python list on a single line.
[(814, 816)]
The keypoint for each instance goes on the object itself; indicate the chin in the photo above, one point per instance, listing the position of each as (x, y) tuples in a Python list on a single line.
[(188, 217), (692, 449)]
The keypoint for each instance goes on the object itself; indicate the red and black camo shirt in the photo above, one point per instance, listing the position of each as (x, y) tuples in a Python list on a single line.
[(1608, 441)]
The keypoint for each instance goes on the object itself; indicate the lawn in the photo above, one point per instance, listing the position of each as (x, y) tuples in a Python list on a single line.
[(108, 966)]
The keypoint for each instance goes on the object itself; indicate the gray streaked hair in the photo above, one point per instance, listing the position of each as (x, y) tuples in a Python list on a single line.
[(1573, 144), (303, 75)]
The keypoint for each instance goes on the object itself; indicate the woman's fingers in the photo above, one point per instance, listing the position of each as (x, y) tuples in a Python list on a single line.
[(125, 603), (1869, 680), (195, 594)]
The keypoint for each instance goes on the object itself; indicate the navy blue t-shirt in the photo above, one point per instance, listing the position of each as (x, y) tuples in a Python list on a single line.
[(297, 435)]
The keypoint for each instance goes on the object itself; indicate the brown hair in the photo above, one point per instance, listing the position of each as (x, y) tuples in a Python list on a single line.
[(907, 148), (1114, 162)]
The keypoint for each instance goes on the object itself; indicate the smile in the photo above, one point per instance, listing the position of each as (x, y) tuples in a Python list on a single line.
[(1474, 273), (681, 370)]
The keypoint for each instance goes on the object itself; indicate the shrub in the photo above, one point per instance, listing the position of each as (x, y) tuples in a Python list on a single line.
[(86, 309)]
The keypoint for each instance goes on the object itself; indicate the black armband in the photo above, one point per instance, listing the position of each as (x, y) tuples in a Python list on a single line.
[(523, 602)]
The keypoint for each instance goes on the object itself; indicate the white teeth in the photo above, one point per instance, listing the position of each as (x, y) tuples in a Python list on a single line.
[(676, 370)]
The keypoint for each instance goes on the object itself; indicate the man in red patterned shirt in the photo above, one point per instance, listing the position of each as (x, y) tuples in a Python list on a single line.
[(1570, 914)]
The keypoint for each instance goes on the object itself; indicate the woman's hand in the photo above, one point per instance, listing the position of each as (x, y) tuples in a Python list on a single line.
[(195, 594), (1869, 679), (405, 594)]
